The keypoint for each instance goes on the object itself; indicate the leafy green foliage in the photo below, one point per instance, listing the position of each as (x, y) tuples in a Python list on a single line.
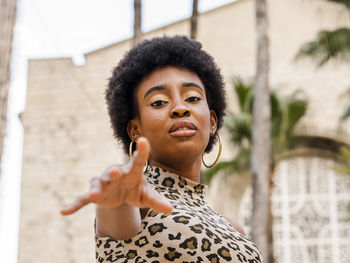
[(346, 114), (344, 166), (327, 45), (285, 114)]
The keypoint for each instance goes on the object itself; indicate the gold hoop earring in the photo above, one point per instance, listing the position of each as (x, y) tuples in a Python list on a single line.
[(130, 149), (217, 158)]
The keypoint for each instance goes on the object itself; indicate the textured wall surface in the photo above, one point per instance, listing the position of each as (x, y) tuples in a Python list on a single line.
[(67, 137), (8, 12)]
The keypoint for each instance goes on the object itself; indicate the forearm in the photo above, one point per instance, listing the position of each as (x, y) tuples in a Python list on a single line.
[(118, 223)]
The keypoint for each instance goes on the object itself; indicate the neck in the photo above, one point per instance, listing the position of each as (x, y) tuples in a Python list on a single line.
[(189, 169)]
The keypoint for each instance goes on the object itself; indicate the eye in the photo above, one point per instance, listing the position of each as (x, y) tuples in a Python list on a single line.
[(158, 103), (193, 99)]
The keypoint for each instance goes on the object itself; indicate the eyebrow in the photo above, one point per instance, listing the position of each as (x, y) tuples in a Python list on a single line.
[(163, 87), (155, 88), (192, 84)]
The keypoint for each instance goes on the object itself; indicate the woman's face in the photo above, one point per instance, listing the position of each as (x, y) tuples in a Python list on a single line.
[(173, 115)]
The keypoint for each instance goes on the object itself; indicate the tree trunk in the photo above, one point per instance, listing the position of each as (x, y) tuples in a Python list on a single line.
[(260, 159), (7, 23), (137, 21), (194, 19)]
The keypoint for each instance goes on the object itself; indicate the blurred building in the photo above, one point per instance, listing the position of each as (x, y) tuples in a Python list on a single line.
[(68, 140), (8, 12)]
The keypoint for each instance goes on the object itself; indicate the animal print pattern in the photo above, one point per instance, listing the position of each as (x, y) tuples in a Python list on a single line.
[(192, 233)]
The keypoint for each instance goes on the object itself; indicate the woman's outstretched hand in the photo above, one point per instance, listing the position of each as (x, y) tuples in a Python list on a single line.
[(123, 184)]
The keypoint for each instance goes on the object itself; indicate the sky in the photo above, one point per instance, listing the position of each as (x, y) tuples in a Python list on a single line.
[(64, 28)]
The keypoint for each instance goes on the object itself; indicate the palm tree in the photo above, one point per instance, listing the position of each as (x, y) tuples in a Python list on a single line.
[(260, 154), (286, 113), (328, 44), (8, 10), (137, 21), (194, 19)]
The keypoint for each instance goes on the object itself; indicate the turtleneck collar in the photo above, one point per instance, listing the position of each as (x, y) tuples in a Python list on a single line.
[(163, 178)]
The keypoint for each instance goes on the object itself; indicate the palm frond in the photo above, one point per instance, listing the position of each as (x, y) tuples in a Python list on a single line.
[(244, 93), (345, 154), (327, 45), (221, 166), (296, 109), (276, 114), (239, 127), (346, 114), (237, 165), (346, 3), (344, 166), (292, 109), (285, 114)]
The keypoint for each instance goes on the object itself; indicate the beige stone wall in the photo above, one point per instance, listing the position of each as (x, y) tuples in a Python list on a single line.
[(67, 136), (63, 111)]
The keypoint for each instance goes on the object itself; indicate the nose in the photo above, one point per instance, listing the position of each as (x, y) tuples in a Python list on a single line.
[(180, 110)]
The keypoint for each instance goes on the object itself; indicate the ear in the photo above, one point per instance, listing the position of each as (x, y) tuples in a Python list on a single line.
[(133, 129), (213, 122)]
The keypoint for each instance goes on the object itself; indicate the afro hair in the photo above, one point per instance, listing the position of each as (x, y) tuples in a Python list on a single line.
[(156, 53)]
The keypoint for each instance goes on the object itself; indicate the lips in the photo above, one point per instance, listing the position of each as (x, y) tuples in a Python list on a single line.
[(183, 129)]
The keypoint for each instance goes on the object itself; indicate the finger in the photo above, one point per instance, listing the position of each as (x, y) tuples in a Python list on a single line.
[(78, 204), (95, 187), (140, 156), (115, 173), (158, 203), (111, 173)]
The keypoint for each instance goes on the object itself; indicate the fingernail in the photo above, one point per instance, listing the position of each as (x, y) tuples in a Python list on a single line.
[(94, 194)]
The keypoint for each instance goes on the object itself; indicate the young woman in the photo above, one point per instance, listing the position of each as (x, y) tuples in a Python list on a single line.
[(167, 96)]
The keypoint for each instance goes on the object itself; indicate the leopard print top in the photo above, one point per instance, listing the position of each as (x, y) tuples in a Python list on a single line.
[(192, 233)]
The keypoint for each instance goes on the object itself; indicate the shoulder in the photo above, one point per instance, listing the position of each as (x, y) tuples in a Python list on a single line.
[(235, 225)]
